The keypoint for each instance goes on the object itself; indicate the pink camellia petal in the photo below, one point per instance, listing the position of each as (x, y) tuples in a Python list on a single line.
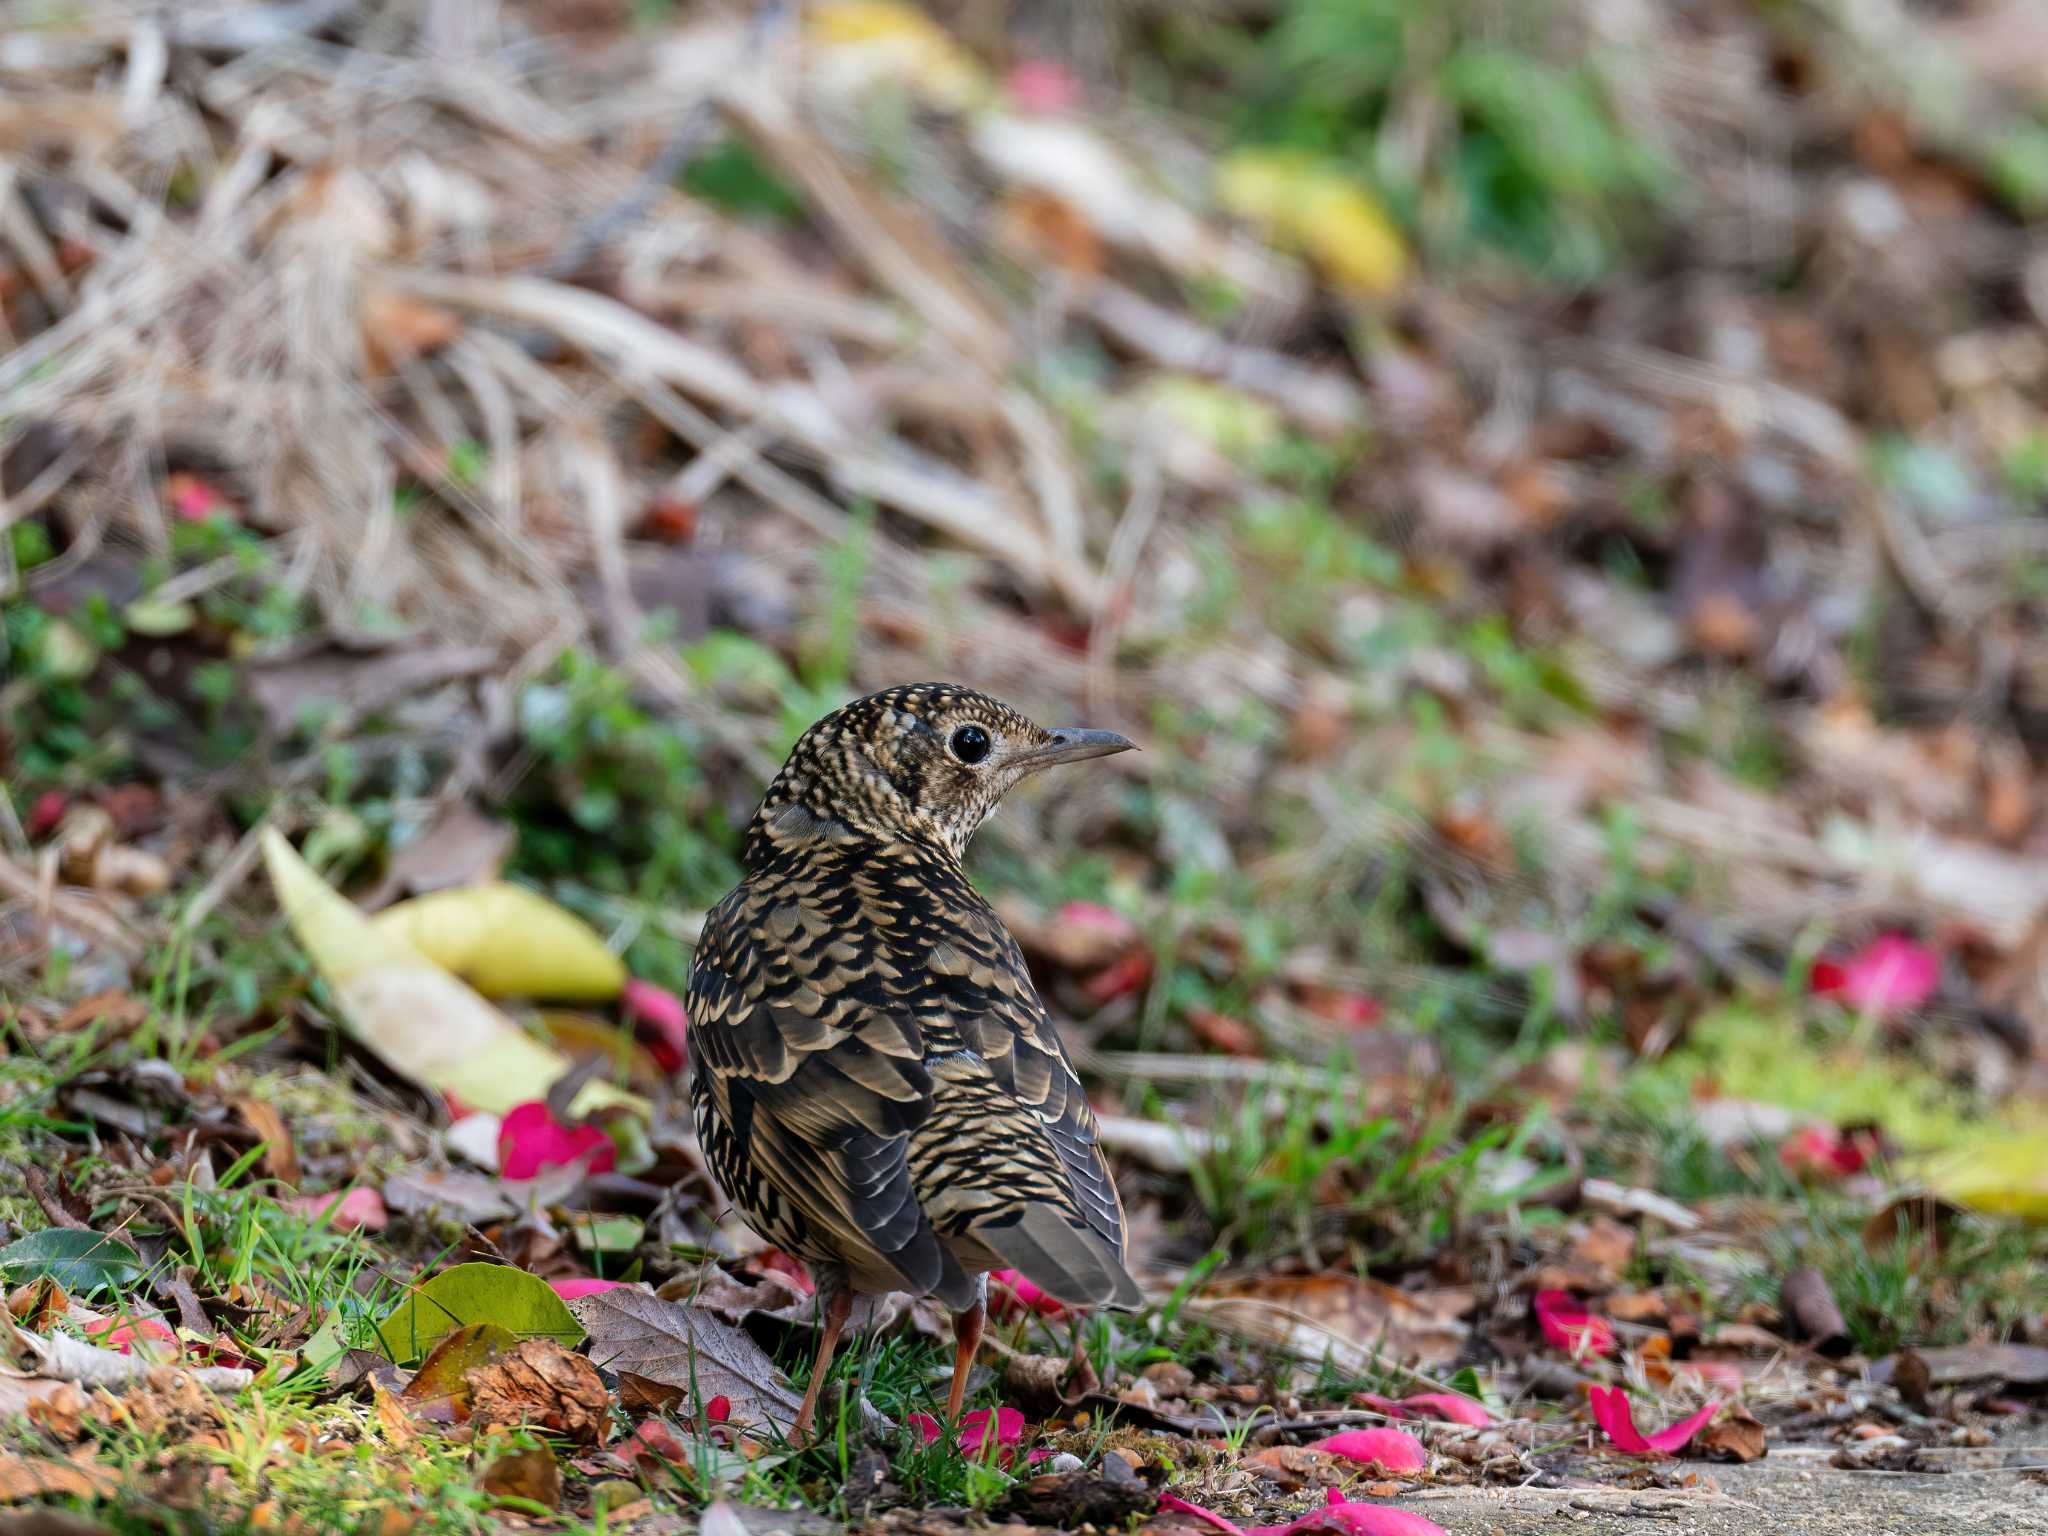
[(1571, 1328), (357, 1210), (1010, 1293), (1348, 1516), (1206, 1516), (1380, 1404), (1822, 1153), (1093, 918), (1391, 1450), (718, 1410), (1353, 1517), (663, 1012), (193, 499), (974, 1429), (1452, 1407), (1890, 975), (570, 1290), (1613, 1413), (1040, 85), (652, 1441), (1717, 1373), (531, 1141), (792, 1269), (125, 1334), (44, 815)]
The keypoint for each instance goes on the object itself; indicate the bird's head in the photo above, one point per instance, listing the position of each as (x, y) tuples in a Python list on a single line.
[(925, 762)]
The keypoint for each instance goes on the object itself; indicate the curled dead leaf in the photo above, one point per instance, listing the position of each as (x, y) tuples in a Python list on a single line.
[(541, 1384), (1735, 1436)]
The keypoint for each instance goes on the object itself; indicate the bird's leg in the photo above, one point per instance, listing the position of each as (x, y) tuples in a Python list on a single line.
[(835, 1308), (966, 1340)]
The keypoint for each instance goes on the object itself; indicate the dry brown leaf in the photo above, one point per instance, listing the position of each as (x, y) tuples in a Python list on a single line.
[(398, 328), (280, 1156), (529, 1474), (1350, 1317), (115, 1011), (1809, 1303), (35, 1477), (39, 1304), (58, 1406), (1637, 1307), (1735, 1435), (462, 847), (448, 1194), (672, 1345), (394, 1421), (1607, 1245), (539, 1383), (1295, 1466), (441, 1392), (712, 1288)]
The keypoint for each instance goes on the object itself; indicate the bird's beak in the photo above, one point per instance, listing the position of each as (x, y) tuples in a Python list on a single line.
[(1071, 744)]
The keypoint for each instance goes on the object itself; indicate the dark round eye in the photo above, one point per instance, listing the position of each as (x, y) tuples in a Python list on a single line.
[(970, 743)]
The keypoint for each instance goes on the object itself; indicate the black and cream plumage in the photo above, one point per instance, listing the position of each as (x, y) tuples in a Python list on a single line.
[(878, 1088)]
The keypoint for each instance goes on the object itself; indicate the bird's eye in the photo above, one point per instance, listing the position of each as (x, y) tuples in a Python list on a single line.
[(970, 743)]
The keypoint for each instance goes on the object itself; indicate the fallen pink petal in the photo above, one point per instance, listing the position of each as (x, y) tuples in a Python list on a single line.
[(652, 1441), (663, 1013), (1616, 1418), (974, 1429), (1350, 1516), (1821, 1152), (1391, 1450), (1040, 85), (1096, 918), (1451, 1407), (570, 1290), (531, 1141), (155, 1340), (1207, 1516), (1010, 1294), (1890, 975), (1569, 1327), (1353, 1518), (357, 1210)]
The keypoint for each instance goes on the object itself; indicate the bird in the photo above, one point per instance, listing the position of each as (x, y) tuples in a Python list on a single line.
[(877, 1088)]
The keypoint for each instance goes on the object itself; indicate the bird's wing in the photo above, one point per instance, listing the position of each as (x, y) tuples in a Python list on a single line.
[(1010, 1156), (820, 1081)]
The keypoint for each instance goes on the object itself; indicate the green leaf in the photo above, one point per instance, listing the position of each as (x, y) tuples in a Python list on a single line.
[(78, 1261), (606, 1234), (524, 1304)]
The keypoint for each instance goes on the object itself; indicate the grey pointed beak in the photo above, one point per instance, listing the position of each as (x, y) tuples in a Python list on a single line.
[(1072, 744)]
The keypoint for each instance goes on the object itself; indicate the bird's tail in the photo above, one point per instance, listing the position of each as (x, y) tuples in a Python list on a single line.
[(1069, 1262)]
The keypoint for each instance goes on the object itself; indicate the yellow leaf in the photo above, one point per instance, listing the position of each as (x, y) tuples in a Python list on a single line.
[(1309, 205), (2003, 1171), (507, 941), (423, 1022), (1232, 422), (892, 39)]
